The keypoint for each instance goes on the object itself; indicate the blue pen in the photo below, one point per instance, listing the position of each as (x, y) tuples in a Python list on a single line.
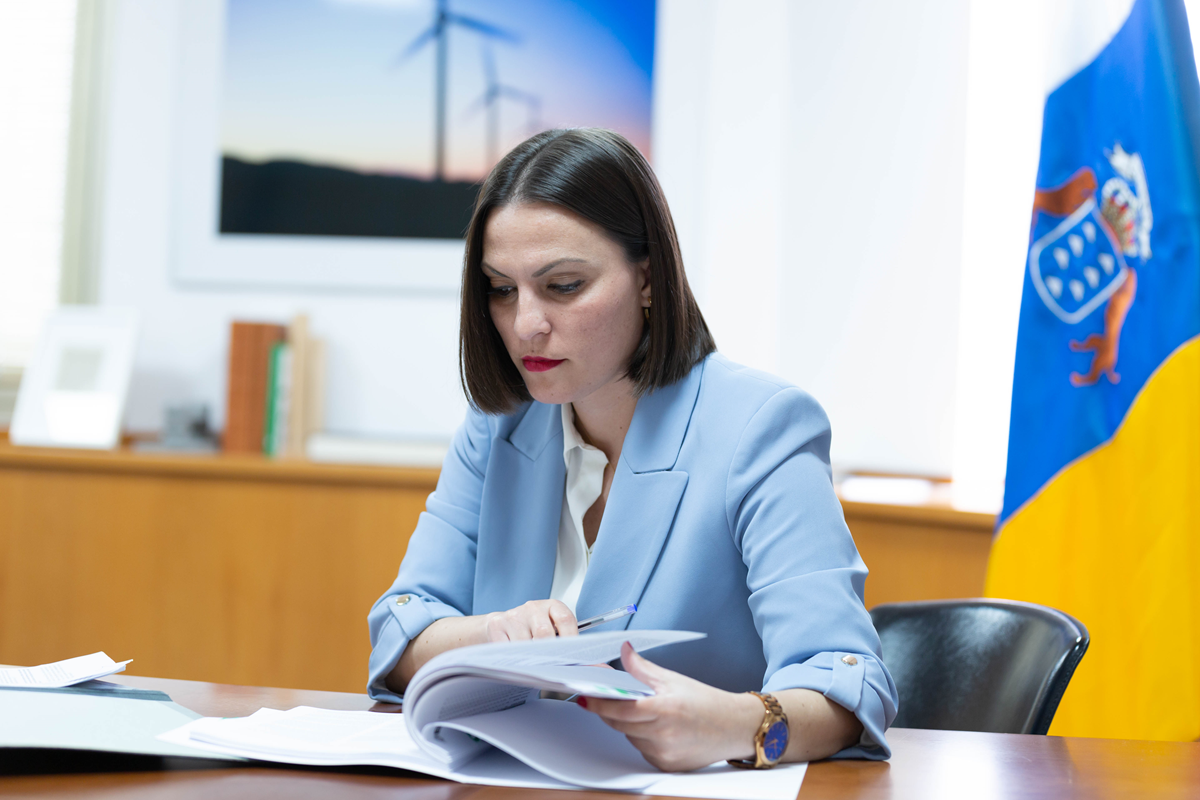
[(607, 616)]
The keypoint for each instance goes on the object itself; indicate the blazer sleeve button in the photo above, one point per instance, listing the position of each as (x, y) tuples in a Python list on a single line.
[(403, 599), (849, 661)]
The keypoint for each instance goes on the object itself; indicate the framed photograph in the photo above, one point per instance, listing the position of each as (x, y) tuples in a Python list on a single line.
[(341, 143), (73, 392)]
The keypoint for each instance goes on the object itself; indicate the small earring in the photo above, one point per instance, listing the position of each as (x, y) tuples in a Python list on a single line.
[(646, 309)]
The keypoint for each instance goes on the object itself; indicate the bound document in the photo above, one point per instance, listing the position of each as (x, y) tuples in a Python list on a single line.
[(476, 715)]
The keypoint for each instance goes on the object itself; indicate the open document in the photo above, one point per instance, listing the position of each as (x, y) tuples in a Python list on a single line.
[(475, 715), (60, 673)]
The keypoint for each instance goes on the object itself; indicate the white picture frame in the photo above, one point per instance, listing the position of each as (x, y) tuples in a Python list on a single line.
[(74, 391), (206, 259)]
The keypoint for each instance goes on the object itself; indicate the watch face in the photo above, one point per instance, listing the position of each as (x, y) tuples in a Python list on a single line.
[(775, 742)]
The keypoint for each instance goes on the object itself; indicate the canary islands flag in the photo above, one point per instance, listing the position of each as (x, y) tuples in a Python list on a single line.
[(1101, 513)]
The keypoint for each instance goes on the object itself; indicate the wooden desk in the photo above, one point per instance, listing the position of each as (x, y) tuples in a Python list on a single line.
[(246, 570), (925, 764)]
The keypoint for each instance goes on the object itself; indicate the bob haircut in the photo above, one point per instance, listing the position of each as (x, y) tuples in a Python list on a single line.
[(600, 176)]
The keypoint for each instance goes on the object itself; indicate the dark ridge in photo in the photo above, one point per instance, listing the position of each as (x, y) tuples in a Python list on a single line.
[(291, 197)]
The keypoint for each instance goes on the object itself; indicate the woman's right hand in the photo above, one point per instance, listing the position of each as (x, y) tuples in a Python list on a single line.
[(537, 619)]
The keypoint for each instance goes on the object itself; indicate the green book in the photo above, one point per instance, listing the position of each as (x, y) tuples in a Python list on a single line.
[(279, 375)]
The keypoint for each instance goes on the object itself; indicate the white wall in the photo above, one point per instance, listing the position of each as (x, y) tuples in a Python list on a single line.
[(812, 153), (36, 44), (814, 161), (874, 173), (740, 247)]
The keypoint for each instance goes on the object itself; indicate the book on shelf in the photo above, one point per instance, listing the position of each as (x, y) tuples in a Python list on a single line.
[(276, 388), (250, 346), (477, 715), (279, 395)]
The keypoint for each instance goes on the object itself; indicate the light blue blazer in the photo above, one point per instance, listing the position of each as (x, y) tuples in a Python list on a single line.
[(721, 518)]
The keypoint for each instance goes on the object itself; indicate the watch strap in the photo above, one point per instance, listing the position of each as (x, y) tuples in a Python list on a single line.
[(773, 714)]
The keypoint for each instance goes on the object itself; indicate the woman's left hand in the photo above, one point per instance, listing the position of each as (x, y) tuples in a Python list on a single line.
[(686, 724)]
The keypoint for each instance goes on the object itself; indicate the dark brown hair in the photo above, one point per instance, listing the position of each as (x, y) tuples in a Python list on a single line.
[(600, 176)]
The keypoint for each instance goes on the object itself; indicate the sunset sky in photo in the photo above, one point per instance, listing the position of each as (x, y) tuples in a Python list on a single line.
[(323, 81)]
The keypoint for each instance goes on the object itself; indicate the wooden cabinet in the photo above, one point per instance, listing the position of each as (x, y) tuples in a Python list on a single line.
[(249, 571), (228, 569), (920, 552)]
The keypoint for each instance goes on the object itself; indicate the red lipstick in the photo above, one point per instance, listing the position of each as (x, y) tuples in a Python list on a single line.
[(535, 364)]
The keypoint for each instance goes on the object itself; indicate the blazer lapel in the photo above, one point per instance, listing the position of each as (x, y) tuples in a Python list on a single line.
[(522, 505), (642, 500), (637, 519)]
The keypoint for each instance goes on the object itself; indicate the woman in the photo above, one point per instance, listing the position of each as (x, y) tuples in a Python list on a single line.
[(612, 457)]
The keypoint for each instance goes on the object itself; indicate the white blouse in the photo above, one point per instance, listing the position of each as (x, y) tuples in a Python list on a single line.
[(585, 478)]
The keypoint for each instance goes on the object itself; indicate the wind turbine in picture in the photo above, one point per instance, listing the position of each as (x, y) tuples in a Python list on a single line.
[(490, 101), (438, 33)]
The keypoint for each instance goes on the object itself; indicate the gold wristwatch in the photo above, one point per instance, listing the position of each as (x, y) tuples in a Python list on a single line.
[(771, 741)]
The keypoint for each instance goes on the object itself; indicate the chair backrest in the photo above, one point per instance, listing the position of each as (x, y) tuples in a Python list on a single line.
[(979, 665)]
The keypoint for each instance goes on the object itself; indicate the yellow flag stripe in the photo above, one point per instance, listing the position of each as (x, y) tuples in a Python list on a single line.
[(1112, 540)]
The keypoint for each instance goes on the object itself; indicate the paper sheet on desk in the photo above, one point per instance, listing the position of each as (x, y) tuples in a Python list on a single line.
[(325, 738), (61, 673), (321, 737)]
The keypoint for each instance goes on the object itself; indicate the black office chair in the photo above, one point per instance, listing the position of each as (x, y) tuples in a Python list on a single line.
[(979, 665)]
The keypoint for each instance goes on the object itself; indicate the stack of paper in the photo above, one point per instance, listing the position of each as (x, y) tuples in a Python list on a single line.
[(61, 673), (473, 715)]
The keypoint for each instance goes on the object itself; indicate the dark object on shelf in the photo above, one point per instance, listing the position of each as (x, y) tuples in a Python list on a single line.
[(186, 431), (999, 666), (187, 428)]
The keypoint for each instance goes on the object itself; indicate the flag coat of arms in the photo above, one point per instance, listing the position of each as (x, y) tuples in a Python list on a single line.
[(1101, 514)]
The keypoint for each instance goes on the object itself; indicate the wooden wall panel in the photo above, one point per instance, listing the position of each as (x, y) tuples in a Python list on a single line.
[(246, 571), (917, 553), (254, 578)]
